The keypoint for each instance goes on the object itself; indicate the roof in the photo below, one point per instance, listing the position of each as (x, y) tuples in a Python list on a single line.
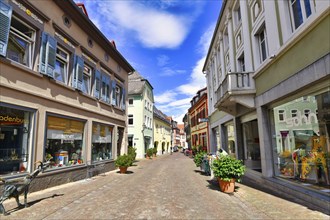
[(136, 83)]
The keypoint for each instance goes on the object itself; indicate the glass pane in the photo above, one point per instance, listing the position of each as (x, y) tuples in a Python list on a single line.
[(64, 141), (308, 9), (101, 142), (297, 13), (18, 49), (60, 71), (15, 131)]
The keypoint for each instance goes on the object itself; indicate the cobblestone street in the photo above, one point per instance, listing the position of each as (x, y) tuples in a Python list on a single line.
[(169, 187)]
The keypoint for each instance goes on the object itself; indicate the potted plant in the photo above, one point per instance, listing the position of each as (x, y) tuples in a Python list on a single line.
[(132, 154), (198, 159), (123, 162), (228, 170), (154, 151), (149, 152)]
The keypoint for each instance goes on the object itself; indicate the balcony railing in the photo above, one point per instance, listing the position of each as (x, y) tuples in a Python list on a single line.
[(238, 82)]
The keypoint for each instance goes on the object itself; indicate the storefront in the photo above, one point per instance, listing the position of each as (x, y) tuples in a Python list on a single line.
[(301, 129), (16, 134), (102, 142), (65, 141)]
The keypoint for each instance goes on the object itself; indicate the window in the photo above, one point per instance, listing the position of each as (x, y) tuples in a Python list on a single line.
[(64, 141), (101, 142), (20, 42), (118, 93), (61, 65), (130, 119), (294, 113), (262, 42), (241, 63), (105, 87), (281, 115), (300, 10), (130, 101), (97, 84), (307, 112), (86, 79), (16, 132)]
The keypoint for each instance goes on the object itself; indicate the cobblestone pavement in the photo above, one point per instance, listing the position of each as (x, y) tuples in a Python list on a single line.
[(167, 187)]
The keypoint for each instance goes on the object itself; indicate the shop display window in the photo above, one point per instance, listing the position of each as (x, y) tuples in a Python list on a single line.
[(101, 142), (15, 133), (64, 141), (302, 139)]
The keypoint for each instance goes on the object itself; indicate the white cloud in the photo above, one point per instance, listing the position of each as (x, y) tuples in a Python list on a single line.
[(166, 97), (153, 28), (162, 60)]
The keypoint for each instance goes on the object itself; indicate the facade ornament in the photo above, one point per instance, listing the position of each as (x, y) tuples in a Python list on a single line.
[(65, 40)]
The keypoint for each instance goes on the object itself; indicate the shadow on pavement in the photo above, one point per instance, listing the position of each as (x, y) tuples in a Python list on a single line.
[(32, 203), (127, 172)]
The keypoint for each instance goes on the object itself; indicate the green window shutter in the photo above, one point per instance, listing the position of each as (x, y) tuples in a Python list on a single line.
[(97, 82), (113, 92), (5, 17)]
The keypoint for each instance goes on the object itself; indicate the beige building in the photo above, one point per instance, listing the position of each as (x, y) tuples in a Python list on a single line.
[(63, 92), (162, 132)]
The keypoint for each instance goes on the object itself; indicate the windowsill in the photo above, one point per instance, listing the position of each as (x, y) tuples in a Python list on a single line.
[(20, 66), (86, 95), (118, 108)]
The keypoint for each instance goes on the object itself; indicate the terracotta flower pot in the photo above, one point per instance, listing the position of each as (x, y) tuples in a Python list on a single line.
[(123, 169), (227, 186)]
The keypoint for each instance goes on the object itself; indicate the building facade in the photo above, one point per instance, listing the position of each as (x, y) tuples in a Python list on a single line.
[(198, 114), (162, 132), (268, 82), (62, 92), (186, 122), (182, 135), (140, 114)]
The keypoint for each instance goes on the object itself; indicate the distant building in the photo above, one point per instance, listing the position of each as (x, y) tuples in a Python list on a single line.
[(140, 114), (199, 120), (182, 135), (162, 132), (186, 122)]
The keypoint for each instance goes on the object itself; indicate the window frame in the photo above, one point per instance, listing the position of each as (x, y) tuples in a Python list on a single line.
[(66, 63)]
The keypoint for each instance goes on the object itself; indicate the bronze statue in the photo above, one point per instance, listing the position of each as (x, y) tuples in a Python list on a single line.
[(14, 188)]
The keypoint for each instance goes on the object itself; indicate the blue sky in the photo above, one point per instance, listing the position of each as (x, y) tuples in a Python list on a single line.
[(166, 41)]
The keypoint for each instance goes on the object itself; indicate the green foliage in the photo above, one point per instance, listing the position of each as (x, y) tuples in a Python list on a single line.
[(194, 150), (198, 159), (149, 152), (123, 161), (132, 154), (227, 168), (154, 150)]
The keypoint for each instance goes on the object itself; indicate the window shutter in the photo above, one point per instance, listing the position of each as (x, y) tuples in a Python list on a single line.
[(104, 91), (74, 76), (5, 17), (78, 73), (42, 62), (51, 55), (107, 83), (123, 99), (97, 86), (47, 55), (114, 92)]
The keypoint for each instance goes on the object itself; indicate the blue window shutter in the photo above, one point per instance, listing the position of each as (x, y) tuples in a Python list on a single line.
[(51, 55), (123, 99), (107, 83), (5, 17), (114, 92), (79, 72), (74, 75), (97, 86), (42, 62), (103, 88)]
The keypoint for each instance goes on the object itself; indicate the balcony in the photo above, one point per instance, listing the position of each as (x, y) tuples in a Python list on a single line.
[(236, 93)]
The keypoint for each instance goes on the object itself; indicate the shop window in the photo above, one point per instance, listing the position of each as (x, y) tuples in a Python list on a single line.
[(21, 42), (85, 88), (64, 141), (15, 134), (101, 142), (301, 142), (61, 65)]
